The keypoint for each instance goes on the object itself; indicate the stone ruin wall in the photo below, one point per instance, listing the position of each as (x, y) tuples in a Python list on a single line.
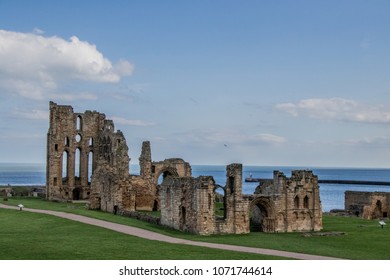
[(111, 185), (101, 173), (289, 204), (70, 134), (188, 204), (368, 205)]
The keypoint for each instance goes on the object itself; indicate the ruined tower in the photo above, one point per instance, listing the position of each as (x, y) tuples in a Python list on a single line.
[(72, 142), (145, 161)]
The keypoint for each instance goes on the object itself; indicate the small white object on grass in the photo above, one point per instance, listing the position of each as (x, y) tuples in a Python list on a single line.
[(20, 207)]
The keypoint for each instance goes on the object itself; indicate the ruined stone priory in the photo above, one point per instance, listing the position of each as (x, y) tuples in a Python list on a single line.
[(87, 159), (368, 205), (287, 204)]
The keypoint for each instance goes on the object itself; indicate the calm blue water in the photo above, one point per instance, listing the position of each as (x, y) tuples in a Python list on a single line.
[(332, 196)]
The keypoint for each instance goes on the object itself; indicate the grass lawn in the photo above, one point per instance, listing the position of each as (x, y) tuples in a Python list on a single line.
[(363, 239), (32, 236)]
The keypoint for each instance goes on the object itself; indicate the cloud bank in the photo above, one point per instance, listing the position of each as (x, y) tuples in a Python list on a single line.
[(337, 109), (123, 121), (33, 66)]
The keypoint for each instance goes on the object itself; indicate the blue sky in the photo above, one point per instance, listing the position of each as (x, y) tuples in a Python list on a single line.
[(301, 83)]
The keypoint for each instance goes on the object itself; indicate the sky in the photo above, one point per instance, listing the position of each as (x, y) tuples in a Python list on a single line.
[(267, 83)]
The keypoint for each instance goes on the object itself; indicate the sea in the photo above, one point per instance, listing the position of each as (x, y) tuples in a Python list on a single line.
[(332, 195)]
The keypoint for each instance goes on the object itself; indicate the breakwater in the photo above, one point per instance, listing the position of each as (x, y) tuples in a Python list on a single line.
[(336, 182)]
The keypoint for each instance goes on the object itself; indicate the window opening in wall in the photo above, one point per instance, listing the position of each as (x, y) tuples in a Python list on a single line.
[(55, 181), (90, 167), (77, 164), (220, 203), (90, 142), (64, 166), (78, 123), (78, 138), (296, 202), (306, 202), (66, 141), (56, 147)]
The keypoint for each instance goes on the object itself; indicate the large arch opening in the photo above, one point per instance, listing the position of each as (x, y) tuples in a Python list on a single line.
[(261, 216), (164, 173)]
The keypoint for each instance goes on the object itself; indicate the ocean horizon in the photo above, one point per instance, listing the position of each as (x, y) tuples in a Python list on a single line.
[(332, 195)]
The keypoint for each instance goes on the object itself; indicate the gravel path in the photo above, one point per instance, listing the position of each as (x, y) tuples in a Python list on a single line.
[(160, 237)]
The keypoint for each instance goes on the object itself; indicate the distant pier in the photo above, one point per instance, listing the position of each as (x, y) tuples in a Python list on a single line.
[(336, 182)]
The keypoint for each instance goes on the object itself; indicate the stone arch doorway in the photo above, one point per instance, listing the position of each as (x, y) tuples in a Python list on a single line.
[(76, 193), (378, 210), (262, 215)]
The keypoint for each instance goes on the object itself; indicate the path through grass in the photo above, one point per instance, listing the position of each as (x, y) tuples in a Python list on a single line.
[(363, 239)]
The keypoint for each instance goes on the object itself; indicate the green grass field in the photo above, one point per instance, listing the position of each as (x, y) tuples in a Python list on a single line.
[(363, 239), (32, 236)]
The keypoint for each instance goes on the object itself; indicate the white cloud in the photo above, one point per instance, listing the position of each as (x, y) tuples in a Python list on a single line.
[(269, 138), (38, 31), (229, 137), (32, 65), (337, 109), (32, 114), (123, 121), (369, 142), (73, 97)]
